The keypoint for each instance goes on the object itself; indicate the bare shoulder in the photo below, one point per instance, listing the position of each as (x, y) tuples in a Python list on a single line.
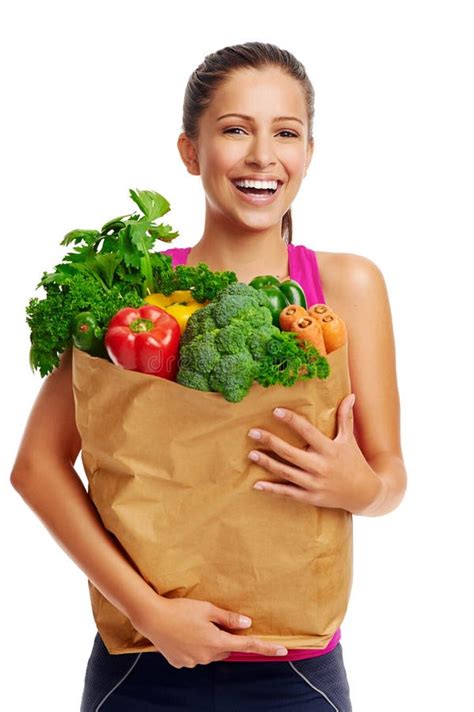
[(346, 277), (354, 287)]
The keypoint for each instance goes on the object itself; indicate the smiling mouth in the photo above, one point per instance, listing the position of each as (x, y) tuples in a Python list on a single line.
[(258, 191)]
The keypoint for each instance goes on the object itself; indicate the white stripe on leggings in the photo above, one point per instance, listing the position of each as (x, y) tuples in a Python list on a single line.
[(313, 686), (119, 682)]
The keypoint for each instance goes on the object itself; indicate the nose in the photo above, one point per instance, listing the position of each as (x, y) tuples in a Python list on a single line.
[(261, 151)]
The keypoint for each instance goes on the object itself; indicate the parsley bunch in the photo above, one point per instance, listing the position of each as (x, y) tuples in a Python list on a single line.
[(203, 283), (286, 359)]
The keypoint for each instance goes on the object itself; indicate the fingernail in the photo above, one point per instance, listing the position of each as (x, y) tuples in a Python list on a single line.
[(279, 412), (244, 621), (281, 651), (254, 455), (255, 434)]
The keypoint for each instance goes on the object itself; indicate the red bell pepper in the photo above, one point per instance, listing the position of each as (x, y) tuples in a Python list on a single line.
[(144, 339)]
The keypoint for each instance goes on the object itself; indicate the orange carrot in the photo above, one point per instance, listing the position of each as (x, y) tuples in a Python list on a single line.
[(290, 314), (310, 329), (333, 327)]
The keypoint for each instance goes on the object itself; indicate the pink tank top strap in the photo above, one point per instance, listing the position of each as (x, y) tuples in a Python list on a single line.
[(304, 269), (178, 255)]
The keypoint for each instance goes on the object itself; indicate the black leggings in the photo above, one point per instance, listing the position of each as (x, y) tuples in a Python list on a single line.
[(146, 682)]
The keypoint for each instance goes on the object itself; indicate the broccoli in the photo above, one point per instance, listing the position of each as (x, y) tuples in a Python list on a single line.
[(257, 296), (214, 344), (232, 342), (200, 322), (193, 379), (241, 301), (233, 375), (200, 355), (232, 338)]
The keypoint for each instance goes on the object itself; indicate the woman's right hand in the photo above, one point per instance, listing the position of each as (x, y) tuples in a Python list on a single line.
[(184, 630)]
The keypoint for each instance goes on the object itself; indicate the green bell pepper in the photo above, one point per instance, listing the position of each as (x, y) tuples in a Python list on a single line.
[(85, 335), (279, 294)]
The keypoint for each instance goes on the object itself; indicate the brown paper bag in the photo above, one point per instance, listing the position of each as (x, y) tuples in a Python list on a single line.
[(169, 473)]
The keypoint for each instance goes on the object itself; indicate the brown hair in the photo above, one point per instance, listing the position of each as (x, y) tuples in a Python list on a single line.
[(204, 81)]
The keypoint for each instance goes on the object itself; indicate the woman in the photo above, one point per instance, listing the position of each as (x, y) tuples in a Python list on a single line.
[(248, 115)]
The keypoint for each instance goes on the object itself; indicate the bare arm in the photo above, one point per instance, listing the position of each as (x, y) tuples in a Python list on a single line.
[(366, 310), (44, 475)]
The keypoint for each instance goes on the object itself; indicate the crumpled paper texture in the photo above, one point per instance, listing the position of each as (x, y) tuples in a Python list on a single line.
[(169, 474)]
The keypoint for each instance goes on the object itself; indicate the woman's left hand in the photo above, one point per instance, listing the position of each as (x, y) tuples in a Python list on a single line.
[(327, 472)]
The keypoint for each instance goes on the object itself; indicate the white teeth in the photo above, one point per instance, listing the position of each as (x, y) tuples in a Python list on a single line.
[(273, 184)]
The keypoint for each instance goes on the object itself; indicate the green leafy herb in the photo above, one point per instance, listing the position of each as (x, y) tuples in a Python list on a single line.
[(121, 251), (105, 271), (200, 280), (286, 359), (51, 320)]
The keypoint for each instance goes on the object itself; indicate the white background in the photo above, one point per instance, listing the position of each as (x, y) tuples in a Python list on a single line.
[(92, 97)]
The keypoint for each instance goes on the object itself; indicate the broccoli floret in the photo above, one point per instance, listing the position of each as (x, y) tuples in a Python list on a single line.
[(258, 296), (234, 375), (200, 354), (257, 316), (228, 308), (231, 339), (236, 299), (240, 307), (200, 322), (240, 289), (192, 379)]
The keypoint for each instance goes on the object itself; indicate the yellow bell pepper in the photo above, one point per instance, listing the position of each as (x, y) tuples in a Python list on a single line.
[(181, 304)]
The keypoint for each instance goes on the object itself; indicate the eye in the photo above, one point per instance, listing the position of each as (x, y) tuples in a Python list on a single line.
[(236, 128)]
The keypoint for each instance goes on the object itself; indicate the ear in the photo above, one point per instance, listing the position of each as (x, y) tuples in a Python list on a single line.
[(188, 153)]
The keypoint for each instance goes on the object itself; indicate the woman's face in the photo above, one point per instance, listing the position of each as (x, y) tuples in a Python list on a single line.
[(261, 145)]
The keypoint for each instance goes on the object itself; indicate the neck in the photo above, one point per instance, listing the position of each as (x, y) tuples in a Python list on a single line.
[(247, 253)]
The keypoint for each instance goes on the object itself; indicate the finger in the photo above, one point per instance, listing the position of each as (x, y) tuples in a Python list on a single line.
[(286, 472), (309, 432), (299, 457), (250, 644), (297, 493), (345, 416), (229, 619)]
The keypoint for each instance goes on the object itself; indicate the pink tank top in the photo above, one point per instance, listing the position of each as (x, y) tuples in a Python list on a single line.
[(302, 267)]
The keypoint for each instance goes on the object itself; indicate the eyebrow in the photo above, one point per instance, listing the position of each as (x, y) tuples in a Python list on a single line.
[(249, 118)]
